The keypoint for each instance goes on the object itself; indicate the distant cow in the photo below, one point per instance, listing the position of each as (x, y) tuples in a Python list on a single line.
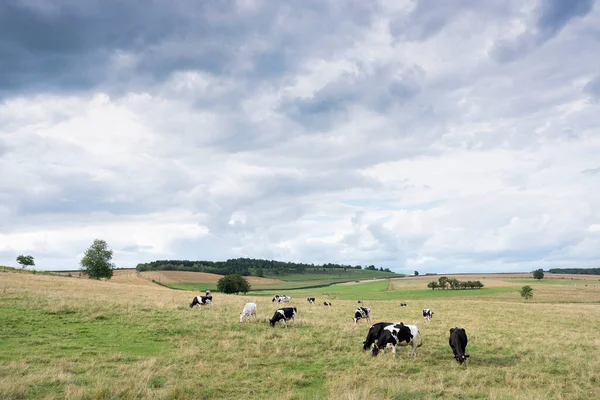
[(284, 314), (311, 300), (249, 310), (362, 312), (202, 301), (327, 304), (403, 305), (281, 299), (458, 342), (427, 314)]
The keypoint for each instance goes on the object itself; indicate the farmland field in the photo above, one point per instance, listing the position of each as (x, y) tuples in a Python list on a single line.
[(63, 337)]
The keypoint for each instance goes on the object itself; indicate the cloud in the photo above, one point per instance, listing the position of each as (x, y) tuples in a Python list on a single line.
[(545, 22), (369, 133)]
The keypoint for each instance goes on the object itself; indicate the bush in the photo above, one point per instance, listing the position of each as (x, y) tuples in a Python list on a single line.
[(526, 292), (538, 274), (233, 284)]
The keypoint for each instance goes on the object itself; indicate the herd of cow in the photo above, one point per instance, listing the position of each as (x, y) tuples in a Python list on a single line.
[(381, 335)]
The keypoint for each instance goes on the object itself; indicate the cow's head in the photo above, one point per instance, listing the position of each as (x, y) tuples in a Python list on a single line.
[(272, 322), (461, 358), (375, 350)]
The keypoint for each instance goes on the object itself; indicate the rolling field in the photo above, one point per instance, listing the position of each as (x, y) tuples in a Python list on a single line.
[(72, 338)]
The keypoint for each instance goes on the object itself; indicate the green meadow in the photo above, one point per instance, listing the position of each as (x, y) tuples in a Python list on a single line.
[(69, 338)]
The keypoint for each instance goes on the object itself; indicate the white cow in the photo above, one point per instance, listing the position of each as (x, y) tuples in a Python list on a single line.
[(249, 309)]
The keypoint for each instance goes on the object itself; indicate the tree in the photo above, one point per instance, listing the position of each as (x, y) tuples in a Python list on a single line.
[(526, 292), (25, 261), (96, 261), (233, 283), (416, 273), (443, 281), (433, 285), (538, 274)]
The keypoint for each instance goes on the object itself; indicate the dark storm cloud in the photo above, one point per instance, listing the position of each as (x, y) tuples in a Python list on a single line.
[(71, 45)]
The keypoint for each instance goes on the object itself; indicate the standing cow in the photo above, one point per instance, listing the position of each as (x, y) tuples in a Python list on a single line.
[(392, 334), (458, 343), (311, 300), (202, 301), (284, 314), (249, 310), (362, 313), (427, 314)]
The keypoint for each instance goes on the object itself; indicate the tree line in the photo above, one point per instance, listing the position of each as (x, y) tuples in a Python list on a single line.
[(246, 266), (586, 271), (453, 283)]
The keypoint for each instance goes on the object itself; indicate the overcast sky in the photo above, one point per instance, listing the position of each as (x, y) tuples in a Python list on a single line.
[(438, 136)]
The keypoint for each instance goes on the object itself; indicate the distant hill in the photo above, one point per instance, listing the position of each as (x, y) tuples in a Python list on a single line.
[(248, 266)]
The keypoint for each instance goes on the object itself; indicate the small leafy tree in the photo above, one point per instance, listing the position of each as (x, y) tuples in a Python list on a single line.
[(526, 292), (233, 283), (443, 281), (25, 261), (96, 262), (538, 274), (433, 285), (416, 273)]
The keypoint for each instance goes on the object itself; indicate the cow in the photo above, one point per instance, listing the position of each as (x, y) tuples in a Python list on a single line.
[(403, 305), (281, 299), (392, 334), (284, 314), (427, 314), (202, 301), (249, 310), (458, 342), (327, 304), (311, 300), (362, 312)]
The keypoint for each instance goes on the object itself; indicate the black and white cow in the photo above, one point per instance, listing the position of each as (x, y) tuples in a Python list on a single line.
[(458, 342), (392, 334), (362, 312), (427, 314), (284, 314), (403, 305), (281, 299), (327, 304), (311, 300), (202, 301)]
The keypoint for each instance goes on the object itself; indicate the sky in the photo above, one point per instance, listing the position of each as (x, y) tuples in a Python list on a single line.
[(454, 136)]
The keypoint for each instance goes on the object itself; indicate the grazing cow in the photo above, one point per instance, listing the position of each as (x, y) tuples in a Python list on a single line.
[(202, 301), (374, 332), (392, 334), (249, 310), (403, 305), (281, 299), (427, 314), (327, 304), (362, 312), (458, 342), (311, 300), (284, 314)]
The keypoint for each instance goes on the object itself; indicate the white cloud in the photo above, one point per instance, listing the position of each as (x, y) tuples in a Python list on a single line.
[(440, 141)]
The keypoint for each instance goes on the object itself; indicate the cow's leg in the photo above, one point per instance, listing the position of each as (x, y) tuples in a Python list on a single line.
[(394, 350)]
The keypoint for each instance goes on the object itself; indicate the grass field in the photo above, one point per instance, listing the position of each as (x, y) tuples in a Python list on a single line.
[(72, 338), (196, 281)]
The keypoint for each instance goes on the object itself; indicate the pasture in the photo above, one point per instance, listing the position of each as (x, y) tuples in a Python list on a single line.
[(63, 337)]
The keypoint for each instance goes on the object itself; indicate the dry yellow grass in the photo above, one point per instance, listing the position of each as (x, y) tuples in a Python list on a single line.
[(155, 347)]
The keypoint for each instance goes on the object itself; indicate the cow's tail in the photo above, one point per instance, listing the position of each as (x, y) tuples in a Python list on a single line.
[(420, 339)]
